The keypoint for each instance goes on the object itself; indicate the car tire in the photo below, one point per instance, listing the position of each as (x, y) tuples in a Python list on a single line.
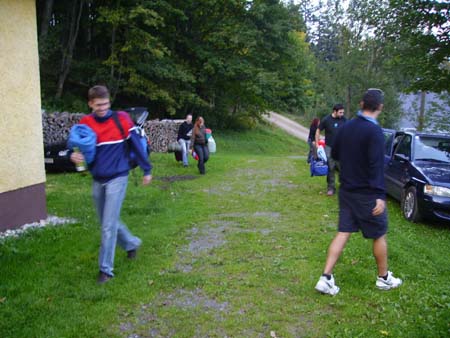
[(410, 208)]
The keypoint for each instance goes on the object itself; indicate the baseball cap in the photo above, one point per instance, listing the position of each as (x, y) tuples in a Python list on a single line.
[(374, 96)]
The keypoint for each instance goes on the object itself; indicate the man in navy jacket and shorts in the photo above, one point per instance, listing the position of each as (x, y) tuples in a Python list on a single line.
[(359, 148)]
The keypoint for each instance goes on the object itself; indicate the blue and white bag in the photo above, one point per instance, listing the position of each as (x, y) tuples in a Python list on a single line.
[(318, 168)]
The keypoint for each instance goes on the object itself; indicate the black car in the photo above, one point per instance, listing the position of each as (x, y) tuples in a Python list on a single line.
[(56, 158), (417, 173)]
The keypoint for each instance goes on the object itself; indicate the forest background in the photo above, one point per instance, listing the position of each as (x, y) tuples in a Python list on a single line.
[(232, 60)]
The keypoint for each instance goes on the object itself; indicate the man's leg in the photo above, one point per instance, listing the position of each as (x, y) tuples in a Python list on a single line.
[(326, 282), (385, 280), (380, 254), (184, 150), (335, 250), (114, 195), (125, 238)]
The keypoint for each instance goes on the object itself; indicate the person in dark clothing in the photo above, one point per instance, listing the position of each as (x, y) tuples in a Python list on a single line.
[(312, 138), (331, 123), (200, 143), (184, 138), (359, 148)]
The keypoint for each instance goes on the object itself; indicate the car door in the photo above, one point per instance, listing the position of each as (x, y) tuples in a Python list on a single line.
[(389, 136), (396, 171)]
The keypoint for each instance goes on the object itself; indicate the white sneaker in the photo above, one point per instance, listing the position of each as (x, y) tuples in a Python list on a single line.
[(389, 283), (327, 286)]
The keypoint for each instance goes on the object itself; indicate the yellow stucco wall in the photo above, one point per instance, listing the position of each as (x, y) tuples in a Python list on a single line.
[(21, 149)]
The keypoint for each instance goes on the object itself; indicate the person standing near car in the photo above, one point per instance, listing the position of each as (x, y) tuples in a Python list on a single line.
[(184, 138), (200, 143), (359, 148), (331, 123), (110, 170)]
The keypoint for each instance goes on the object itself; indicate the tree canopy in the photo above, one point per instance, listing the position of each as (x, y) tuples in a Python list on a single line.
[(231, 60), (227, 60)]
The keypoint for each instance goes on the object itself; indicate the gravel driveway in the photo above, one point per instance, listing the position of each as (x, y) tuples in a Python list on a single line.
[(291, 127)]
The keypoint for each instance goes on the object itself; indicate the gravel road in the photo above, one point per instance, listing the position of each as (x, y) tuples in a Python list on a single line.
[(288, 125)]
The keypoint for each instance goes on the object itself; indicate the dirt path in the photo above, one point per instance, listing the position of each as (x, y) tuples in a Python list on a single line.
[(288, 125)]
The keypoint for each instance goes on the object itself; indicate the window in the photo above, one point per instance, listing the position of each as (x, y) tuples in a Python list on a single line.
[(432, 148), (388, 136), (404, 148)]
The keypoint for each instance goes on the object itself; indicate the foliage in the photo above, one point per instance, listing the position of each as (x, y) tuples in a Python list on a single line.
[(436, 117), (350, 58), (230, 61), (265, 227), (227, 60), (420, 30)]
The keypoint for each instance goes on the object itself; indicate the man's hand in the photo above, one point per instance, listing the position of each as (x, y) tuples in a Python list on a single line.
[(146, 179), (77, 157), (379, 207)]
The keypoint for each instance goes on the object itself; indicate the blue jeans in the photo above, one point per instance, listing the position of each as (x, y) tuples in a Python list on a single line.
[(184, 149), (203, 156), (108, 198)]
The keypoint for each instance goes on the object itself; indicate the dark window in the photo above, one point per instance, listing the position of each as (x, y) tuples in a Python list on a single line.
[(388, 142), (404, 147)]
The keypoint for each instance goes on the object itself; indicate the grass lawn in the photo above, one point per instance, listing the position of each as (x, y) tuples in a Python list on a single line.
[(234, 253)]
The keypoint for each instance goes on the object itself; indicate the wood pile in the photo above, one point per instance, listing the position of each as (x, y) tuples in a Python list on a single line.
[(161, 133), (56, 128)]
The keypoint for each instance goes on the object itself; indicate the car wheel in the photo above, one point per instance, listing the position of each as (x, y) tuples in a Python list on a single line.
[(409, 205)]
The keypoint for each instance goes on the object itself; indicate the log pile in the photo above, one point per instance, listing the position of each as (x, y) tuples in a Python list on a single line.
[(56, 128), (161, 133)]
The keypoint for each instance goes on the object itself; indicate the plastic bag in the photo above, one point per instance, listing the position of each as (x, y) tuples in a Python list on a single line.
[(321, 154)]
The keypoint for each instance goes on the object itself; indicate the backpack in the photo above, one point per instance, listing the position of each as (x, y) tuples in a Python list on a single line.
[(143, 140)]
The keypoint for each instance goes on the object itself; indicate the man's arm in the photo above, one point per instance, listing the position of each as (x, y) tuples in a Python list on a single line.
[(375, 153)]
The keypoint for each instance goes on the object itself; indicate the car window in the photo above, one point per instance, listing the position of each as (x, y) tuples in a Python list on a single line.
[(404, 147), (388, 139), (428, 148)]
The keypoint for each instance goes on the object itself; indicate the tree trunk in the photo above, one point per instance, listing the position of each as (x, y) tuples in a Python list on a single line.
[(66, 61), (348, 103), (46, 13), (421, 119)]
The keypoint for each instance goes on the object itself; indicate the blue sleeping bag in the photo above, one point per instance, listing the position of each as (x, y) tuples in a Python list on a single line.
[(85, 139)]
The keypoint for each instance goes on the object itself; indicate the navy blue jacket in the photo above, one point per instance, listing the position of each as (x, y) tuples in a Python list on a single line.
[(359, 148)]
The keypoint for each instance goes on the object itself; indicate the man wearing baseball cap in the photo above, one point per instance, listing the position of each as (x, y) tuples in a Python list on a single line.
[(359, 148)]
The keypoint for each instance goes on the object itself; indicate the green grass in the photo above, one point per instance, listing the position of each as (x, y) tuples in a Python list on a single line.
[(234, 253)]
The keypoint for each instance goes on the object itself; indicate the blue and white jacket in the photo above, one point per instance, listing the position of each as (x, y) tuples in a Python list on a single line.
[(111, 157)]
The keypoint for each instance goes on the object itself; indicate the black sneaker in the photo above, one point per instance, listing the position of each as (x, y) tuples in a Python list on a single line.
[(103, 277), (131, 254)]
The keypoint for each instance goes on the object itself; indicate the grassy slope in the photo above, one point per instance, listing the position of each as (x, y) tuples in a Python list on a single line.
[(268, 226)]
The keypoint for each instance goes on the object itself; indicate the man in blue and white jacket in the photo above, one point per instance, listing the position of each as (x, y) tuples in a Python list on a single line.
[(110, 170), (359, 148)]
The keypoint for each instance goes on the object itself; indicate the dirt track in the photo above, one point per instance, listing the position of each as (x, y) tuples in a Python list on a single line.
[(288, 125)]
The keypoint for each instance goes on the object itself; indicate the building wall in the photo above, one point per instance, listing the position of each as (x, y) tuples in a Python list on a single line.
[(22, 174)]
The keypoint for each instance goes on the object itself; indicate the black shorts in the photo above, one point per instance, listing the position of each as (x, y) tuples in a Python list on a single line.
[(355, 213)]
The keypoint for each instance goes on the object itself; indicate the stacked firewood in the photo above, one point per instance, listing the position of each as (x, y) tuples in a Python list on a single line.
[(161, 133), (56, 128)]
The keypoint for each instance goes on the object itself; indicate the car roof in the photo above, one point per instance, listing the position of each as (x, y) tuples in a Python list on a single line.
[(417, 133)]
